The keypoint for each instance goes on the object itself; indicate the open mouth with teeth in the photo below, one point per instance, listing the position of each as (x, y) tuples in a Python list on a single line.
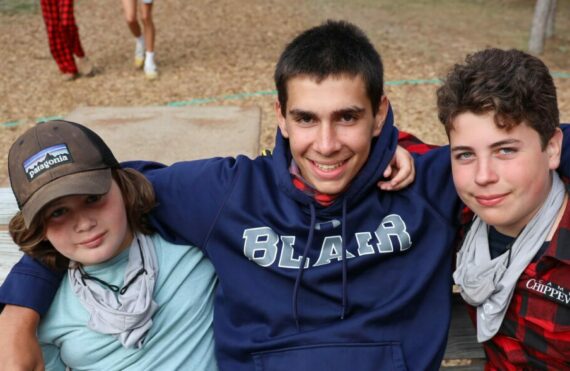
[(326, 167)]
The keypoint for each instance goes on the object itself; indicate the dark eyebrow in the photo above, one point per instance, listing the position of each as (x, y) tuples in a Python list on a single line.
[(299, 112), (500, 143), (355, 110), (505, 143), (461, 149), (349, 110)]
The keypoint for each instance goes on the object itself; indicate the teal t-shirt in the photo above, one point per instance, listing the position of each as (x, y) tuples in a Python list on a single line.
[(181, 336)]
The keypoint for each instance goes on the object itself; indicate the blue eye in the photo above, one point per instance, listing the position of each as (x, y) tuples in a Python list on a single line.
[(57, 213), (462, 156), (507, 150), (92, 199)]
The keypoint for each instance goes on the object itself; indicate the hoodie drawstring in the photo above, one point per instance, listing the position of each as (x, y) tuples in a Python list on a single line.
[(299, 278), (344, 265), (302, 267)]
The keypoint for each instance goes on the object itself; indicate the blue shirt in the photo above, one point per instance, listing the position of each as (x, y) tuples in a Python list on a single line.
[(181, 336)]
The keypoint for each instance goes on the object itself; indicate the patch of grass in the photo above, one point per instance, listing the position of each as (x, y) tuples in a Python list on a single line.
[(19, 6)]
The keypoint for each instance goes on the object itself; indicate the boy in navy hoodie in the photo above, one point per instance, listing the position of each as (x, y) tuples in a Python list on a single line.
[(318, 269)]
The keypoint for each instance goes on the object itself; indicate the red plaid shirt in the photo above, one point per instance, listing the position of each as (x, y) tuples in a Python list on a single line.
[(535, 334), (413, 144), (301, 184)]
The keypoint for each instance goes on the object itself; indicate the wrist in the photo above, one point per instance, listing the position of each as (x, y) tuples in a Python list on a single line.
[(25, 319)]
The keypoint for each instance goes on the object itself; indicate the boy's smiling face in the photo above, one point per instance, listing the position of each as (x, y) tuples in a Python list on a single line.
[(503, 176), (330, 127)]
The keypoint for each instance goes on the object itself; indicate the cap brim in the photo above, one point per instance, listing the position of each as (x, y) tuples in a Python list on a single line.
[(95, 182)]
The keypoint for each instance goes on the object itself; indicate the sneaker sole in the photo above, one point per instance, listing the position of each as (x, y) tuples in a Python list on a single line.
[(139, 62), (151, 75)]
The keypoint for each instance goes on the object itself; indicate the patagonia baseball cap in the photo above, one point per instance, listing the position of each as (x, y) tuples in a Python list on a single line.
[(56, 159)]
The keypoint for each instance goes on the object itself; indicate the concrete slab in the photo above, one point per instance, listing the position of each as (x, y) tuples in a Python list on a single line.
[(170, 134)]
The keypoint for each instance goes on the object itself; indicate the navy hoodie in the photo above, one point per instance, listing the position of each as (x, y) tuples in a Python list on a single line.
[(374, 289)]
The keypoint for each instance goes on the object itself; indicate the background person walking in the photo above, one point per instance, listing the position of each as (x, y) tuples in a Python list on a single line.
[(63, 37), (144, 44)]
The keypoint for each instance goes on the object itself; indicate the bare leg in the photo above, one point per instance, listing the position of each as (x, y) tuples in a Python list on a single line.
[(149, 30), (130, 11)]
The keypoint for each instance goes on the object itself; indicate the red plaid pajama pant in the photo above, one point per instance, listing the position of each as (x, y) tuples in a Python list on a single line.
[(63, 34)]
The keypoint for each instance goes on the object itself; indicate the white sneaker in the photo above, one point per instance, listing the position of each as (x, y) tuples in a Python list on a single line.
[(85, 67), (150, 71)]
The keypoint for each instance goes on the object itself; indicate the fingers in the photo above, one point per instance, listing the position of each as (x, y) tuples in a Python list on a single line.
[(401, 179), (400, 173), (388, 170)]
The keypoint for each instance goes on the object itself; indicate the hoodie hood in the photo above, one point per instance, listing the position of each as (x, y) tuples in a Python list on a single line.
[(382, 150)]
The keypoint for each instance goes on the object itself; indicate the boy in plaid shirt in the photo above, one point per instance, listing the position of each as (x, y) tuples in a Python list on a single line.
[(500, 112)]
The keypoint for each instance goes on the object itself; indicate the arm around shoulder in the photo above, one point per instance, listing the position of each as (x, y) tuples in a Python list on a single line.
[(190, 195), (30, 284)]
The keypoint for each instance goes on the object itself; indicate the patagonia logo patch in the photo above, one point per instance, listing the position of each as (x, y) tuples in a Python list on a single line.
[(550, 290), (47, 159)]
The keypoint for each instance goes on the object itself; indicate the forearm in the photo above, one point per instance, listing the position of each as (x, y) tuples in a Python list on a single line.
[(25, 319), (19, 347)]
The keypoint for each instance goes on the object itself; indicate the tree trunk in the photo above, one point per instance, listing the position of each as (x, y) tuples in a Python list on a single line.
[(538, 29), (551, 19)]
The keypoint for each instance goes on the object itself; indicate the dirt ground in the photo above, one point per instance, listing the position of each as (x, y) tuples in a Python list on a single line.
[(226, 50)]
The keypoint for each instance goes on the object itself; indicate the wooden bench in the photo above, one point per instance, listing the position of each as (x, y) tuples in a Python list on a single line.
[(462, 352), (9, 253)]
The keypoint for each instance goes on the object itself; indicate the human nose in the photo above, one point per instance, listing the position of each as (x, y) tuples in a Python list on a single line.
[(485, 172), (327, 141), (84, 222)]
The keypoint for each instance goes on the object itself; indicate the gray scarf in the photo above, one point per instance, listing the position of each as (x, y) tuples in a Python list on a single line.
[(128, 316), (489, 284)]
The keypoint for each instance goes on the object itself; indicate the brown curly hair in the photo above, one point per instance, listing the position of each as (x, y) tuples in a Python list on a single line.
[(515, 85), (138, 196)]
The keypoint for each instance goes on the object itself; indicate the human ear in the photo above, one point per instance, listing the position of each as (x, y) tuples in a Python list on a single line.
[(280, 118), (380, 115), (553, 149)]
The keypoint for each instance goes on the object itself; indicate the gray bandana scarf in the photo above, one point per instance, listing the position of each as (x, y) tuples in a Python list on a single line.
[(128, 315), (489, 284)]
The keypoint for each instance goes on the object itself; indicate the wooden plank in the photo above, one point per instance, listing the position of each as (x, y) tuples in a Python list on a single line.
[(9, 254), (8, 206), (462, 346), (466, 365)]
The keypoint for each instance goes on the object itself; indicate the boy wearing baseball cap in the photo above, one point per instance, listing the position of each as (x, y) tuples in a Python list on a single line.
[(127, 296)]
